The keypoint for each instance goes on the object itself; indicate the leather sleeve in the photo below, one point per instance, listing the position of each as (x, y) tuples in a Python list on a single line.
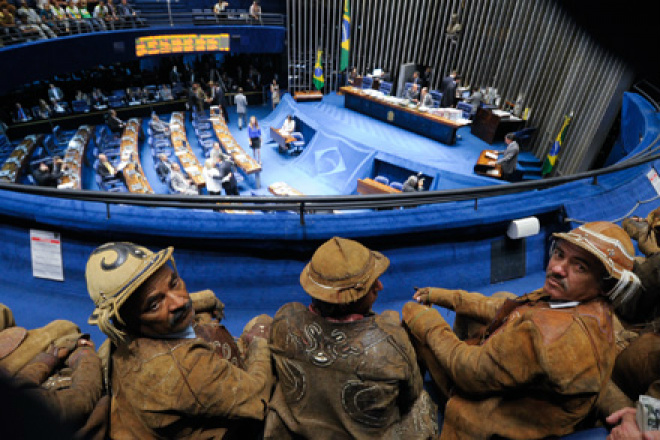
[(521, 354), (214, 387), (470, 304)]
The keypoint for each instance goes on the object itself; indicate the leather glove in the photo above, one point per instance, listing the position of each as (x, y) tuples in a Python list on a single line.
[(62, 347), (421, 319), (446, 298), (258, 327), (205, 301)]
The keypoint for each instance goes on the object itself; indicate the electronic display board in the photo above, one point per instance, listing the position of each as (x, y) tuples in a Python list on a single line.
[(177, 43)]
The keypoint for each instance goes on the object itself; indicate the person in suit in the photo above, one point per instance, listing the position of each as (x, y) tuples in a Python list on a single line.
[(428, 76), (448, 90), (158, 127), (218, 98), (227, 177), (241, 108), (509, 158), (163, 167), (44, 176), (175, 76), (105, 168), (180, 184), (412, 93), (55, 94), (416, 79), (425, 99), (20, 114), (475, 100), (115, 124)]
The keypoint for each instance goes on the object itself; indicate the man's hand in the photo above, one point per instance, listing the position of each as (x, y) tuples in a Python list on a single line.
[(627, 428)]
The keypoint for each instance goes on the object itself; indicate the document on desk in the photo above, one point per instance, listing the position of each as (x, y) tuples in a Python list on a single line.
[(491, 155)]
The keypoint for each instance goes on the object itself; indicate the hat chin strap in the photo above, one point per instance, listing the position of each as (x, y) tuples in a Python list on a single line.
[(624, 289)]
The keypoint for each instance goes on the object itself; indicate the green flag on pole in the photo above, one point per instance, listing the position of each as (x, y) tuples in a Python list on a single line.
[(345, 37), (318, 71)]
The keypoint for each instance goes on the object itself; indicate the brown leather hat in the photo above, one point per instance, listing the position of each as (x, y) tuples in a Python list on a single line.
[(342, 271)]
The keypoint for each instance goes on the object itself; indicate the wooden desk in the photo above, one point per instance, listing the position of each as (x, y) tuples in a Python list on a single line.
[(283, 189), (231, 147), (490, 127), (281, 140), (134, 177), (307, 96), (370, 186), (411, 119), (484, 167), (189, 163), (73, 158), (18, 160)]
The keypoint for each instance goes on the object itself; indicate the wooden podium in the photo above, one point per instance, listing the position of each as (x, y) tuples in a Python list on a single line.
[(307, 96), (485, 167)]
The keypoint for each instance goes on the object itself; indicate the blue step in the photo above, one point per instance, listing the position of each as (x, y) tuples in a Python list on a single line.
[(525, 168), (528, 176)]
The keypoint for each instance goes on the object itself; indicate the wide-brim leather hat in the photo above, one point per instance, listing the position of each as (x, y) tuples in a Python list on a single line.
[(607, 242), (342, 271), (114, 271)]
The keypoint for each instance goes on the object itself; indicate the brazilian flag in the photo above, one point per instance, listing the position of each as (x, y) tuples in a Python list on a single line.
[(345, 37), (550, 161), (318, 71)]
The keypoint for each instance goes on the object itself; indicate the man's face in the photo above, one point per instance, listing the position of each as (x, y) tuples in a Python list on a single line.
[(160, 306), (573, 274)]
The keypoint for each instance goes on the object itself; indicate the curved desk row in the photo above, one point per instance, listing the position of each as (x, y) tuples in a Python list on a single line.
[(242, 160), (134, 177), (189, 162), (73, 158), (17, 161)]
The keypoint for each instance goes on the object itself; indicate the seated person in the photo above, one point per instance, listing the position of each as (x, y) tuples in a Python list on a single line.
[(179, 183), (44, 111), (352, 76), (425, 99), (115, 124), (55, 365), (158, 127), (342, 369), (105, 168), (475, 100), (163, 168), (166, 92), (412, 94), (539, 363), (288, 127), (99, 100), (414, 184), (20, 114), (175, 371), (220, 7), (45, 176)]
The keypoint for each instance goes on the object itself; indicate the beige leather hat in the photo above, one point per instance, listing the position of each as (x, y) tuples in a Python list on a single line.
[(612, 246), (342, 271), (114, 271)]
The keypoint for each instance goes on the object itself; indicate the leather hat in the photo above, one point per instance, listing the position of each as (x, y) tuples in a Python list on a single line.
[(612, 246), (114, 271), (342, 271)]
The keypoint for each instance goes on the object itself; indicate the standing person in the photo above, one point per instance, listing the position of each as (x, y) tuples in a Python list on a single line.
[(509, 158), (428, 76), (175, 371), (115, 124), (414, 183), (211, 177), (44, 176), (275, 93), (55, 94), (344, 370), (254, 135), (227, 177), (448, 90), (542, 361), (175, 76), (218, 98), (241, 107)]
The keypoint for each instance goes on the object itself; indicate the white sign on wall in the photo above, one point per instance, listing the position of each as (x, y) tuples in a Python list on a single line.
[(46, 249)]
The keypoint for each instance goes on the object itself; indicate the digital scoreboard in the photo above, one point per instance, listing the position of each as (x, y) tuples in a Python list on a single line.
[(188, 43)]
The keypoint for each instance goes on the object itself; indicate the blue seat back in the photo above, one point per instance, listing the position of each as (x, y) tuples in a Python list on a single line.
[(386, 87), (382, 179), (367, 82), (397, 185), (467, 109)]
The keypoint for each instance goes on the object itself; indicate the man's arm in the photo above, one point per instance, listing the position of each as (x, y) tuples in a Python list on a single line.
[(516, 355), (470, 304)]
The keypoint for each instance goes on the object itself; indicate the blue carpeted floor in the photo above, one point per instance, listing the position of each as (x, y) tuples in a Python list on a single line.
[(330, 121)]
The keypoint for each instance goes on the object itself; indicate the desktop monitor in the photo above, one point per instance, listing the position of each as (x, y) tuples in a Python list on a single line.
[(378, 72)]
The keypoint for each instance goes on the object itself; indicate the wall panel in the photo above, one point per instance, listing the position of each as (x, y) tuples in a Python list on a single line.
[(530, 48)]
